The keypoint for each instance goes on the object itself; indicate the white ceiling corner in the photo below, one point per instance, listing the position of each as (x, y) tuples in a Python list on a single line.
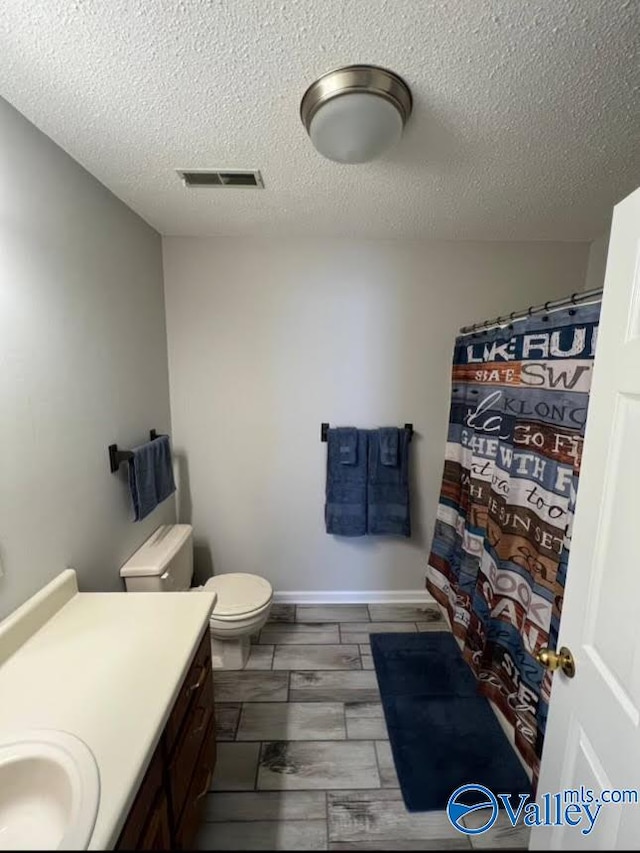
[(525, 127)]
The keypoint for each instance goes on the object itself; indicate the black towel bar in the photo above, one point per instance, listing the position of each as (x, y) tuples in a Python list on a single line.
[(324, 431), (117, 457)]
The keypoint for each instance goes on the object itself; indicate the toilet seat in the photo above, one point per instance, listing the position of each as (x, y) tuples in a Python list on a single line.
[(239, 596)]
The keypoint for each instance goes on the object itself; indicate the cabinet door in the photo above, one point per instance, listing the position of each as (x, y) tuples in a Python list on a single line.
[(184, 763), (157, 833), (198, 790), (195, 678)]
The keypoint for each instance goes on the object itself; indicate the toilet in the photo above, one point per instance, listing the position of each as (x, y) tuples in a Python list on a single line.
[(164, 563)]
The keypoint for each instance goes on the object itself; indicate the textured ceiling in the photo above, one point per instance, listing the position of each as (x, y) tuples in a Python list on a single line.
[(526, 120)]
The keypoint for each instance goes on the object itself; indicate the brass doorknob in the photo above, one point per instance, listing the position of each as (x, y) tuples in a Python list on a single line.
[(557, 660)]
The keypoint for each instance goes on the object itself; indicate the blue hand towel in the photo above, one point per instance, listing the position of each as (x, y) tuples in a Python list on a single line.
[(345, 509), (389, 440), (388, 510), (347, 438), (150, 476)]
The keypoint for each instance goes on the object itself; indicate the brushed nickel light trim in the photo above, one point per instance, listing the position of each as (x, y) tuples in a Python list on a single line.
[(370, 79)]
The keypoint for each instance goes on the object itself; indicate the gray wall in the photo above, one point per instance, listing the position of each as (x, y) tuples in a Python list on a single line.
[(83, 363), (597, 262), (267, 339)]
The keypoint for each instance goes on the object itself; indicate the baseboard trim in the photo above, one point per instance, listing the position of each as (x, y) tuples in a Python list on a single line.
[(375, 596)]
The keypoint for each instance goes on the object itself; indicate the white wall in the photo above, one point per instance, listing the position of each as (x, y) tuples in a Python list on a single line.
[(597, 262), (269, 339), (83, 363)]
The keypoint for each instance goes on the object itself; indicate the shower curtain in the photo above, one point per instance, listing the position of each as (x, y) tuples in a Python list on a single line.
[(499, 555)]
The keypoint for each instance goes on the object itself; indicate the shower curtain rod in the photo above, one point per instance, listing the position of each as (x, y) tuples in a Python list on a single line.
[(552, 305)]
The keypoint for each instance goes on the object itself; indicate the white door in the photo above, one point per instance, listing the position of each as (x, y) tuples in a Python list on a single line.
[(592, 737)]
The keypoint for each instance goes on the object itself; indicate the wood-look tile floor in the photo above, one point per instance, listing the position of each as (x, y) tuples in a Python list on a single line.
[(304, 761)]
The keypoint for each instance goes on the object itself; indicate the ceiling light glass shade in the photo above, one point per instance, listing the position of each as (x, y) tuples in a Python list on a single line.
[(356, 113), (355, 128)]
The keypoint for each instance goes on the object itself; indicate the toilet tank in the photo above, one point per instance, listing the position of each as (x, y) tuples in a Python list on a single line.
[(164, 563)]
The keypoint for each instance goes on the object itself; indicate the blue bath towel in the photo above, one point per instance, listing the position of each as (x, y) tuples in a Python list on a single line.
[(347, 438), (150, 476), (389, 438), (345, 509), (388, 510)]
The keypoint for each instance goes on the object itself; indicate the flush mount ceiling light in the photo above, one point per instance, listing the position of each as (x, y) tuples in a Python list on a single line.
[(355, 113)]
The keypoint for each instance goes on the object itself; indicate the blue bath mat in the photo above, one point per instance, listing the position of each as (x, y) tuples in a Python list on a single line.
[(442, 733)]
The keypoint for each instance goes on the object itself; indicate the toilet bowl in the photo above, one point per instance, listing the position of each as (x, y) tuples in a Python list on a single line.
[(243, 601), (242, 607)]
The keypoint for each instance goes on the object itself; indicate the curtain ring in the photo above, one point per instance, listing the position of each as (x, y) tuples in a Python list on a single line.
[(573, 298), (529, 312), (512, 315)]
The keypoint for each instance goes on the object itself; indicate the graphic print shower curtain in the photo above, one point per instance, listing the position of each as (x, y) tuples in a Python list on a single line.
[(499, 555)]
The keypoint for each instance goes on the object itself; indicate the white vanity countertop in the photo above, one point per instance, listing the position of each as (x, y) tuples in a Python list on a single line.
[(106, 667)]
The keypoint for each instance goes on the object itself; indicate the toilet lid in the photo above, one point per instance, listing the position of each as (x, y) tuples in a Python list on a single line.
[(238, 593)]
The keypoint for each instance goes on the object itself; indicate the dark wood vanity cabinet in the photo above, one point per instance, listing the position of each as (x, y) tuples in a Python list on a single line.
[(166, 812)]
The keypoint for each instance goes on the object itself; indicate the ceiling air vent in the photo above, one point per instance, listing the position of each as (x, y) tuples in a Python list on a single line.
[(205, 178)]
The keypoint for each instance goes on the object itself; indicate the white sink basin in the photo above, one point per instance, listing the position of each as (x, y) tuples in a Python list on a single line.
[(49, 791)]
